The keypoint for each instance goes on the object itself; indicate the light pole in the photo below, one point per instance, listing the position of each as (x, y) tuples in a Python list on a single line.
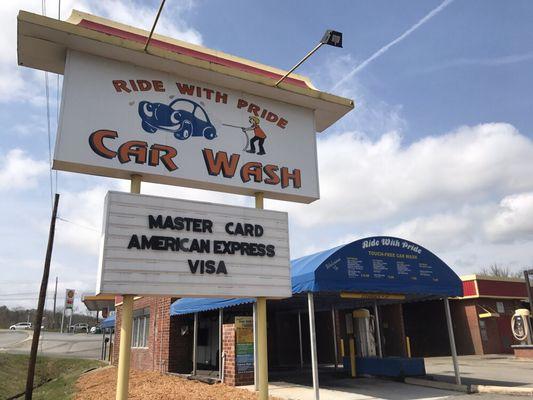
[(331, 38)]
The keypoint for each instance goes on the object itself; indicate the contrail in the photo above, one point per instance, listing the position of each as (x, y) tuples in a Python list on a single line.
[(384, 49)]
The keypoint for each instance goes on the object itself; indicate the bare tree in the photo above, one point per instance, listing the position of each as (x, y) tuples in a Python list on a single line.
[(500, 271)]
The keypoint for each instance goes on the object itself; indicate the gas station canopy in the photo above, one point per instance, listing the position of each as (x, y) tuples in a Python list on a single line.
[(43, 43), (99, 302)]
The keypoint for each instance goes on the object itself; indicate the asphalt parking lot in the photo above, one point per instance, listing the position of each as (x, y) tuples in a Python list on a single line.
[(494, 369)]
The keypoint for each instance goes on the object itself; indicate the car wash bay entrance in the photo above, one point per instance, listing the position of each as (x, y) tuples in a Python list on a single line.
[(345, 314)]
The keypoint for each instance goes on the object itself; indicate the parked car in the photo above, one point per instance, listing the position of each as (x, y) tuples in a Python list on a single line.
[(79, 327), (20, 325), (96, 329)]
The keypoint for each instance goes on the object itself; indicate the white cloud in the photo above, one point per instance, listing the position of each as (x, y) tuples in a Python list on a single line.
[(436, 231), (364, 180), (22, 84), (371, 117), (513, 220), (18, 171), (80, 219), (173, 20)]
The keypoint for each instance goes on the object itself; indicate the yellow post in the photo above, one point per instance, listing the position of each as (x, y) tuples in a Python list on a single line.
[(125, 348), (262, 354), (352, 357), (126, 326), (135, 186), (408, 345), (342, 348)]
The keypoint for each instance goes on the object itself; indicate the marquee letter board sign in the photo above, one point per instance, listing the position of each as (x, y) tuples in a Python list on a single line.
[(168, 247)]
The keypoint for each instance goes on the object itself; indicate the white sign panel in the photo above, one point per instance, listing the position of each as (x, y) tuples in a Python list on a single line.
[(118, 119), (168, 247), (69, 299)]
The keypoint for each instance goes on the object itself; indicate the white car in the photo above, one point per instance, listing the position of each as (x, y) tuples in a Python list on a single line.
[(20, 325)]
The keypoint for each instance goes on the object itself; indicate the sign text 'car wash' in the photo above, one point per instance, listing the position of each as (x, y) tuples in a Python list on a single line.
[(161, 246), (118, 119)]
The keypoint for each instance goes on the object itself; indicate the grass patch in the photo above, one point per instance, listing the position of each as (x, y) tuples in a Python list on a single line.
[(14, 367)]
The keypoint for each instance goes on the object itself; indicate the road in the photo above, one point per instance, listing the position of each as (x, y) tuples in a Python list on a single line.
[(12, 338), (79, 345)]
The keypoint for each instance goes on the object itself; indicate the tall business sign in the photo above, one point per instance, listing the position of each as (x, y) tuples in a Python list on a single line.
[(161, 246), (69, 299), (118, 119)]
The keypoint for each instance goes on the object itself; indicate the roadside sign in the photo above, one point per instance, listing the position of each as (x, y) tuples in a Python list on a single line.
[(182, 132), (167, 247), (69, 299)]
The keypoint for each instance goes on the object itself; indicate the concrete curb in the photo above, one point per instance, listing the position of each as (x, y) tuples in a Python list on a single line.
[(506, 390), (437, 384), (514, 391)]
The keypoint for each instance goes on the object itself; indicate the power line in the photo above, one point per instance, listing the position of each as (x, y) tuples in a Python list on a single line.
[(77, 224)]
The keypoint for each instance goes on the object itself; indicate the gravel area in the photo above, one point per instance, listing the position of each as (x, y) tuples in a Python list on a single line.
[(101, 385)]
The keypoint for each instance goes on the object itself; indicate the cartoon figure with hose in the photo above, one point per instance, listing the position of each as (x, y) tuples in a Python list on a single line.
[(259, 135)]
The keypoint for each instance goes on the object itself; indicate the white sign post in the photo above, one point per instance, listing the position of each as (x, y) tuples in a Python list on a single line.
[(158, 246), (118, 119), (69, 305)]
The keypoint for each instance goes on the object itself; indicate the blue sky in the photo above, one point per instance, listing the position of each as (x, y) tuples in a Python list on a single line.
[(439, 146)]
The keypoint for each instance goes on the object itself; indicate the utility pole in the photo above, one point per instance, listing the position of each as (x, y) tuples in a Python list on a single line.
[(54, 313), (40, 306)]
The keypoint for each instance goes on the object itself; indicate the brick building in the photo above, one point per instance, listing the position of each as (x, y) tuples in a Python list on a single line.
[(152, 346), (482, 317), (481, 320)]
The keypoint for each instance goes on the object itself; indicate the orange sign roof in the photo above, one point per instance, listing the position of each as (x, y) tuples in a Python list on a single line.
[(43, 43)]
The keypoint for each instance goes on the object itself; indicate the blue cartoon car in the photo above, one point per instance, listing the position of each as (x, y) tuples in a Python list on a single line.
[(183, 117)]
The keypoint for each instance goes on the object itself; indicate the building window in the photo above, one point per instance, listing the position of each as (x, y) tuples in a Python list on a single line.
[(483, 330), (141, 328)]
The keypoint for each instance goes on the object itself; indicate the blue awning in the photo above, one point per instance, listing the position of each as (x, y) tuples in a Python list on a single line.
[(379, 264), (192, 305), (109, 322)]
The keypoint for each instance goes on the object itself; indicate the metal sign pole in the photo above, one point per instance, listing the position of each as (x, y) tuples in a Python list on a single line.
[(62, 319), (220, 340), (452, 341), (312, 334), (378, 328), (528, 288), (300, 339), (126, 326), (334, 336), (194, 343)]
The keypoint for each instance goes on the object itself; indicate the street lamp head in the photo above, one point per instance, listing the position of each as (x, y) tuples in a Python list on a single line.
[(333, 38)]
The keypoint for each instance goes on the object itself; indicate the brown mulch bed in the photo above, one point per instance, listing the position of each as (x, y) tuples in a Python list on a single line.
[(147, 385)]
